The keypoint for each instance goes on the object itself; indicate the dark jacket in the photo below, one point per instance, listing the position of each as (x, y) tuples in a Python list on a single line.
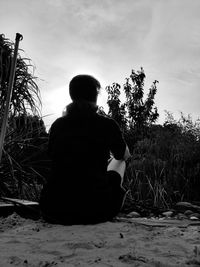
[(79, 146)]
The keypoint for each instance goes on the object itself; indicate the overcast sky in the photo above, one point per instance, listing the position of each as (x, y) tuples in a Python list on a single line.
[(108, 38)]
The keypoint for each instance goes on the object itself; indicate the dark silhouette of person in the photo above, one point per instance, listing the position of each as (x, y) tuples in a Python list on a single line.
[(83, 188)]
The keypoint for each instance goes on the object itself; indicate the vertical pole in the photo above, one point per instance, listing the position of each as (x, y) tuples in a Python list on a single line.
[(18, 38)]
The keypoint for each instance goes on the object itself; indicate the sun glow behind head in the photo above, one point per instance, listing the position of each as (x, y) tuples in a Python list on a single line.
[(56, 100)]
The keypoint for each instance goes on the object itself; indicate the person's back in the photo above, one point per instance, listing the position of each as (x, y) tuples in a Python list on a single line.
[(79, 190)]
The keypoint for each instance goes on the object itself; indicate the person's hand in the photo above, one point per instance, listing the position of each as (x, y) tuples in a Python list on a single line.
[(127, 154)]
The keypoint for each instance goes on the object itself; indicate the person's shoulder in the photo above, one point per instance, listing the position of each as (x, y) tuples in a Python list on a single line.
[(106, 120), (58, 122), (102, 118)]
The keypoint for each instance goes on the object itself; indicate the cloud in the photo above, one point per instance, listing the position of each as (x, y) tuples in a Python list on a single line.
[(55, 3), (174, 34), (110, 37)]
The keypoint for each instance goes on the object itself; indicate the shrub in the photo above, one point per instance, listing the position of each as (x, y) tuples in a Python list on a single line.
[(25, 143), (165, 167)]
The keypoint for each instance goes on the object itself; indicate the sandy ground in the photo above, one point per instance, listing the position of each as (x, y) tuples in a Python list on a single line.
[(129, 242)]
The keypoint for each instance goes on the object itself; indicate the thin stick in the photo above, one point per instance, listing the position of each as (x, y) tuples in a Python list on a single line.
[(18, 38)]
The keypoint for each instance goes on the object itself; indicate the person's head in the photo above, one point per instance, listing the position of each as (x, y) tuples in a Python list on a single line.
[(84, 87)]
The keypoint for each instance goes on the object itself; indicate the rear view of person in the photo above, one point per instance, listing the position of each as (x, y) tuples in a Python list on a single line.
[(83, 188)]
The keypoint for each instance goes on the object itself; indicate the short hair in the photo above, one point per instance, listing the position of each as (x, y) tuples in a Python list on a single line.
[(84, 87)]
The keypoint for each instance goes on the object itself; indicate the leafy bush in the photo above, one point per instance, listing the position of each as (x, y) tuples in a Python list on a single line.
[(165, 167)]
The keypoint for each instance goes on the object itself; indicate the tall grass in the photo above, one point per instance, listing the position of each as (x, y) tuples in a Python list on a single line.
[(24, 160), (165, 166)]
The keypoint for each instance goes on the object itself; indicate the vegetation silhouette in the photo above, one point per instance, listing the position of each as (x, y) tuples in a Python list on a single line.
[(26, 137), (165, 163)]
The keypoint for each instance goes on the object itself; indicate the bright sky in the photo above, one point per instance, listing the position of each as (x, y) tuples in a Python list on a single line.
[(108, 38)]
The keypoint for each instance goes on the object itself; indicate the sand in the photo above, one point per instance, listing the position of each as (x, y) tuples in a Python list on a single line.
[(126, 242)]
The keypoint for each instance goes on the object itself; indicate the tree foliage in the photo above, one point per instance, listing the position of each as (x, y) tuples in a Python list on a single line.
[(135, 114)]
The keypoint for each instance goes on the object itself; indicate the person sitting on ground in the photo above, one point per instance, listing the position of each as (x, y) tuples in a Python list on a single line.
[(83, 188)]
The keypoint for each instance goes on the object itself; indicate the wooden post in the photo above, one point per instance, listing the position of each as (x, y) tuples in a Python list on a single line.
[(18, 38)]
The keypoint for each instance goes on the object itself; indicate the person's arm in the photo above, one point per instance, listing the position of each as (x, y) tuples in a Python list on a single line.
[(118, 147), (52, 134)]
